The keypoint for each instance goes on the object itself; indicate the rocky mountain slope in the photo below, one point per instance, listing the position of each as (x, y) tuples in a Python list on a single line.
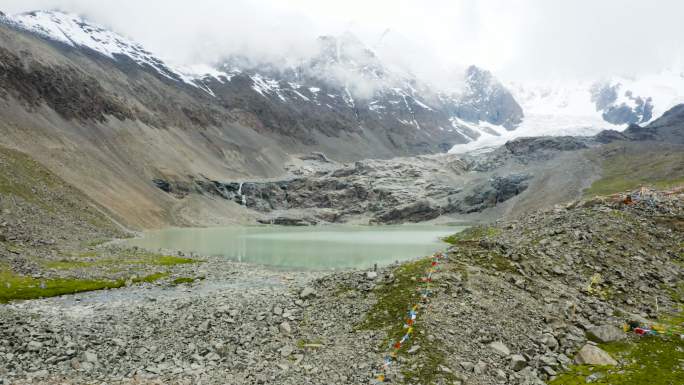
[(94, 106), (523, 174)]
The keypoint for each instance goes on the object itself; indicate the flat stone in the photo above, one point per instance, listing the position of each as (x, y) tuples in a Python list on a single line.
[(593, 355), (371, 275)]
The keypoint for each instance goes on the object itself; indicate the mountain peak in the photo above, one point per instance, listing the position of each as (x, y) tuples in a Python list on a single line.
[(75, 31)]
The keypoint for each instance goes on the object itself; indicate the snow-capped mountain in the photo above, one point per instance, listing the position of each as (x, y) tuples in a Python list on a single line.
[(587, 107), (347, 77), (344, 88)]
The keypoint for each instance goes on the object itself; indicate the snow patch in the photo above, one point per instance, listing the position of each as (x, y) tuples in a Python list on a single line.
[(72, 30)]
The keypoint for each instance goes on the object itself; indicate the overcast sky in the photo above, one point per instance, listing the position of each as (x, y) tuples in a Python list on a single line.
[(519, 40)]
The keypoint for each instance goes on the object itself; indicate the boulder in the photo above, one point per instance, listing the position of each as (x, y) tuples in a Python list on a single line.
[(89, 356), (518, 362), (593, 355), (605, 333), (307, 293), (34, 346), (285, 328), (500, 348)]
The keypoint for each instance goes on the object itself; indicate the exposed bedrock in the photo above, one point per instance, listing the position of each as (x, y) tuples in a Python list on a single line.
[(391, 192)]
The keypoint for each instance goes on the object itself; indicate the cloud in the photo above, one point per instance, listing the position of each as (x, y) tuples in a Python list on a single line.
[(517, 39)]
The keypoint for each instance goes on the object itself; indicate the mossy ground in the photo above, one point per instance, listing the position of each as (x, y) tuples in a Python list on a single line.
[(186, 280), (18, 287), (651, 360), (107, 272), (472, 234), (625, 168), (390, 313), (468, 242)]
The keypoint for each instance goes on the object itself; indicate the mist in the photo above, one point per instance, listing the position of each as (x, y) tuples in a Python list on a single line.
[(518, 40)]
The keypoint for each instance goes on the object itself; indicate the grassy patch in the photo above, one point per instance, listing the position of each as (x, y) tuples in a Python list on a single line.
[(151, 278), (472, 234), (652, 360), (167, 260), (389, 313), (625, 169), (395, 299), (677, 293), (17, 287), (315, 343), (186, 280), (426, 367)]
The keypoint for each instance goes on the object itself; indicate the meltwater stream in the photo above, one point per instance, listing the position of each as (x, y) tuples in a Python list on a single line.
[(309, 248)]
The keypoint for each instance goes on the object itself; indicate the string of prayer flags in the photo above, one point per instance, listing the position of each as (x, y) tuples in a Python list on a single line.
[(411, 317)]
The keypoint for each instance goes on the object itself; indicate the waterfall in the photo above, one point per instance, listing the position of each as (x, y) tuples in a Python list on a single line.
[(243, 198)]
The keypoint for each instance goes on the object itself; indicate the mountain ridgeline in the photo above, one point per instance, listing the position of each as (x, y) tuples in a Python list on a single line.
[(345, 90), (97, 107), (158, 145)]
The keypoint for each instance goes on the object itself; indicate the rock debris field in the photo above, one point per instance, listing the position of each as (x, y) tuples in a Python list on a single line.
[(518, 302)]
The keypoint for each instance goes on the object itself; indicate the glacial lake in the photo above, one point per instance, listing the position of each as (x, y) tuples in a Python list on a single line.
[(304, 248)]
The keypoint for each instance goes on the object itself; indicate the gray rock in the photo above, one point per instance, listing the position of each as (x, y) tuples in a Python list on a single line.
[(89, 356), (549, 341), (548, 360), (549, 371), (480, 367), (518, 362), (445, 369), (593, 355), (501, 374), (286, 351), (605, 333), (285, 328), (34, 346), (308, 292), (500, 348), (371, 275)]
